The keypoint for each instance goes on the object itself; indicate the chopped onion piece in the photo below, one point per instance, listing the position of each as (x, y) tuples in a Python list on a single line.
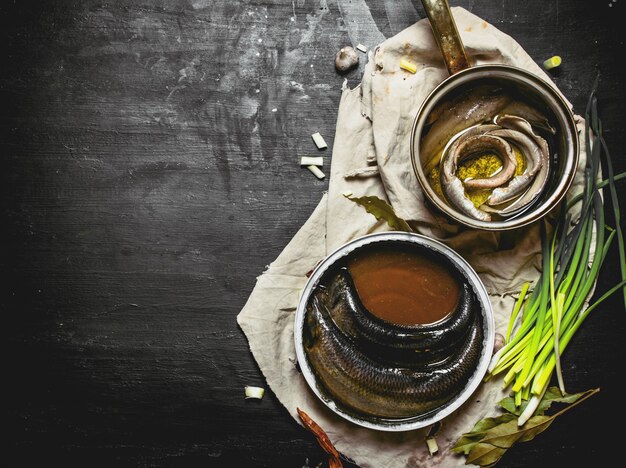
[(552, 62), (362, 48), (408, 65), (432, 445), (319, 141), (316, 171), (312, 161), (254, 392)]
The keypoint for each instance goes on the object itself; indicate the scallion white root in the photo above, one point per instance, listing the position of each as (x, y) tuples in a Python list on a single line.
[(530, 409), (316, 171), (319, 141), (312, 161)]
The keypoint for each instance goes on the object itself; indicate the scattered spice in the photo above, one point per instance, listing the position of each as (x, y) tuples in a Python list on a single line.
[(498, 342), (322, 439), (431, 441)]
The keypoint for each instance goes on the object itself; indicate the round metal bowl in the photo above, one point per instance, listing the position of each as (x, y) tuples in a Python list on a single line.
[(564, 147), (423, 244)]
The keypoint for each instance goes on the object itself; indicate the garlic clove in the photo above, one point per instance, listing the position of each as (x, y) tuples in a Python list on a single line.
[(346, 59), (498, 342)]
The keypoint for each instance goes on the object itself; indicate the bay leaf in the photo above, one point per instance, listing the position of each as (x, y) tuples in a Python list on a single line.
[(468, 440), (382, 210), (490, 438), (509, 404), (485, 424), (502, 437), (552, 395), (485, 455), (505, 435)]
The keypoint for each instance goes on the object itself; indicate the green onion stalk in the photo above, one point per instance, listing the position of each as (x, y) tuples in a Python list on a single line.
[(555, 308)]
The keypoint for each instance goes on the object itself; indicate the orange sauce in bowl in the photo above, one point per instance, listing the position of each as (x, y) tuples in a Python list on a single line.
[(403, 287)]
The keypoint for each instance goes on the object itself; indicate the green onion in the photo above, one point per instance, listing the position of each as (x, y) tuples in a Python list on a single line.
[(518, 307), (554, 309)]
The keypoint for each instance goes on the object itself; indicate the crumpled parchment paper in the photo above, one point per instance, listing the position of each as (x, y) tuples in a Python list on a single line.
[(371, 156)]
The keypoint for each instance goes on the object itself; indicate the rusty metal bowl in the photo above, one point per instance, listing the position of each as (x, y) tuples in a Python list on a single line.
[(421, 244)]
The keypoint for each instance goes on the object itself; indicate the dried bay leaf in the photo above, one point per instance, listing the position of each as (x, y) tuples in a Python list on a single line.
[(468, 440), (490, 438), (485, 455), (500, 438), (485, 424), (382, 210), (552, 395), (505, 435)]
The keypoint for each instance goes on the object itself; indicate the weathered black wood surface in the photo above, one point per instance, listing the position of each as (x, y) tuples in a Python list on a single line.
[(149, 173)]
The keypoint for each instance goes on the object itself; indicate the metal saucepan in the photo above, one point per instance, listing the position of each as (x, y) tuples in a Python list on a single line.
[(564, 149)]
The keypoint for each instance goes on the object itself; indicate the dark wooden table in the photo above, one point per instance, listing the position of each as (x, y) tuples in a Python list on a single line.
[(149, 173)]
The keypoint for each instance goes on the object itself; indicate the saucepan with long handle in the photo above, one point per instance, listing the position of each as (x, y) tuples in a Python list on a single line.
[(497, 100)]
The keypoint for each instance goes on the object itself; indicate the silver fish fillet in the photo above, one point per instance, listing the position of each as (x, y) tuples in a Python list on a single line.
[(453, 188), (479, 144), (479, 105), (528, 113), (535, 150), (510, 193)]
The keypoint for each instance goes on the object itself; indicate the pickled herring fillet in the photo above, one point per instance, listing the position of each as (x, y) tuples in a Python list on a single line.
[(475, 145), (455, 193), (454, 190), (528, 113), (449, 118), (536, 151)]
